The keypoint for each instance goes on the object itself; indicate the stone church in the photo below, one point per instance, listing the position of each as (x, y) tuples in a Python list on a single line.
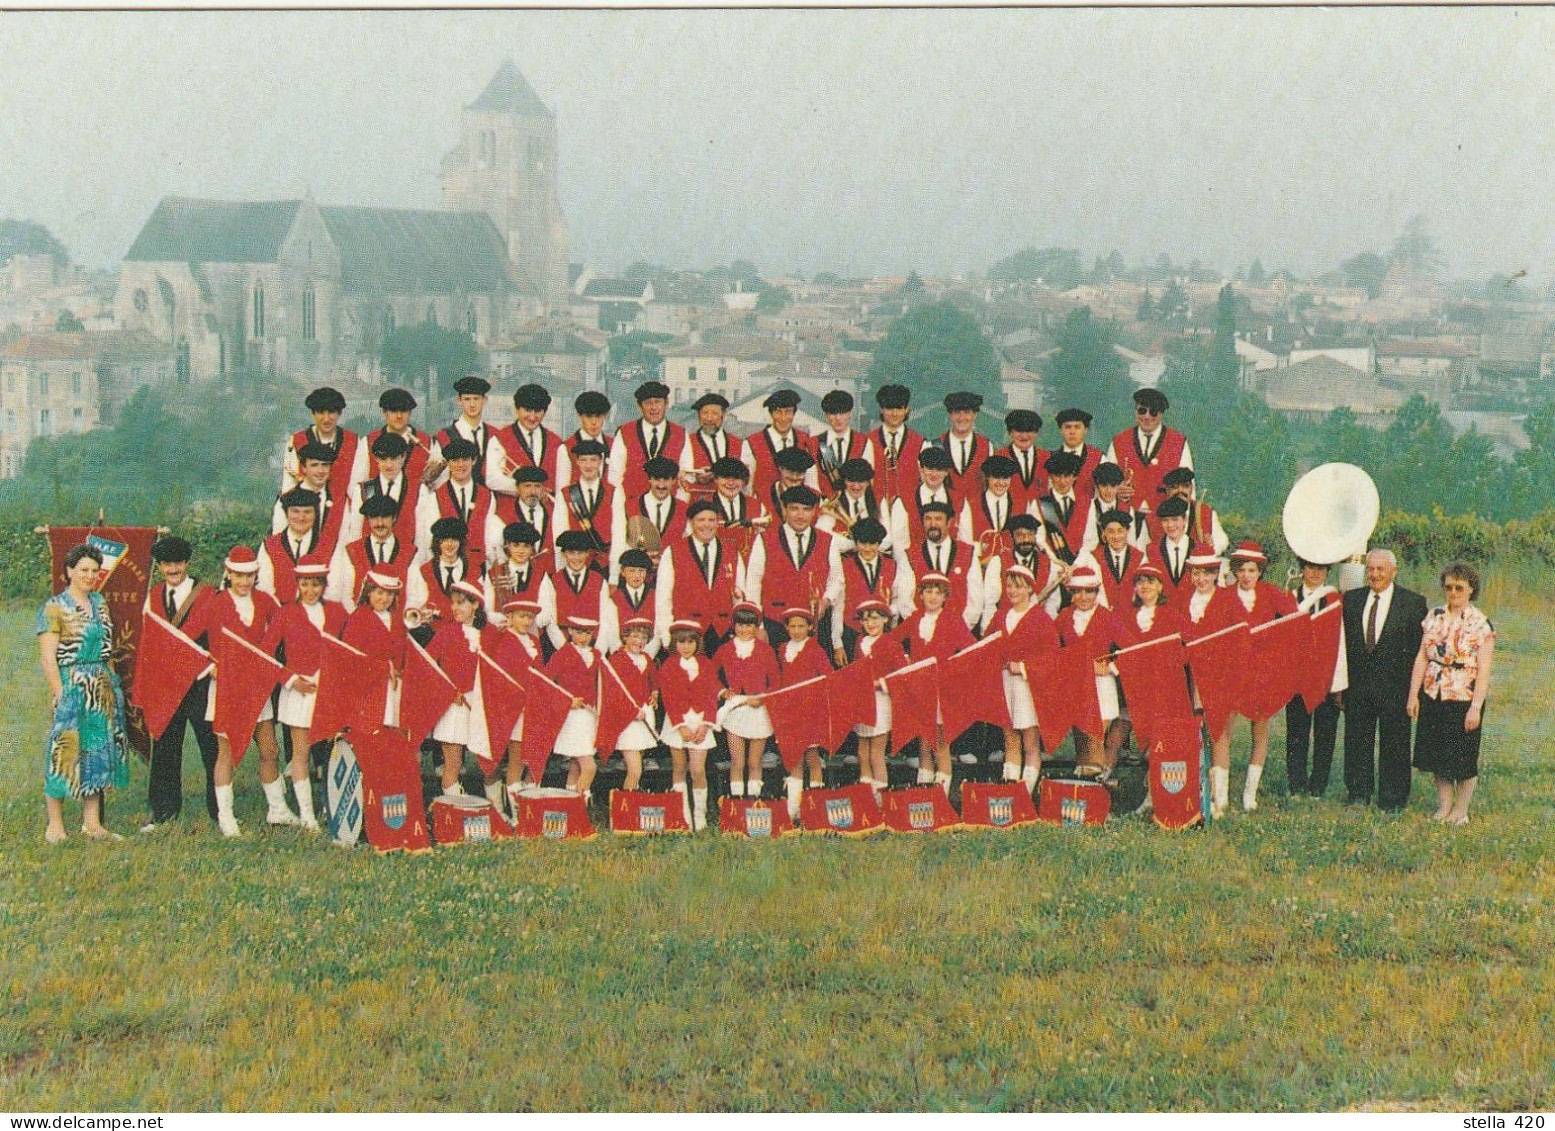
[(310, 290)]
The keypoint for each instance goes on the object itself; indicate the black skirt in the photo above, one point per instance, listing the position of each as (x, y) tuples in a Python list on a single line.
[(1442, 746)]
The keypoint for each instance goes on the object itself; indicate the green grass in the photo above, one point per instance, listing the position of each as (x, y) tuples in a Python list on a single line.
[(1310, 956)]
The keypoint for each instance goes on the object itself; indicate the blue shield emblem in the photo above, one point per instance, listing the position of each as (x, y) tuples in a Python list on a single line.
[(839, 812), (394, 808), (920, 814), (1174, 776), (1071, 811), (758, 821), (477, 828), (650, 819), (1001, 810), (553, 824), (343, 795)]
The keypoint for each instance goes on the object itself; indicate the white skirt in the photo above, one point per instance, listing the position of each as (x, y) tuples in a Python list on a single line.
[(391, 705), (670, 735), (1017, 697), (465, 726), (745, 721), (454, 726), (296, 707), (882, 724), (637, 736), (1107, 697), (266, 713), (578, 732)]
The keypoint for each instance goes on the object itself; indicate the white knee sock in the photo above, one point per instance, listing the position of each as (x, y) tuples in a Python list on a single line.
[(494, 793), (753, 787), (736, 787), (1250, 790), (1219, 789), (699, 807), (685, 801), (942, 780), (925, 771), (304, 790), (1028, 777), (1011, 769), (793, 787), (224, 818)]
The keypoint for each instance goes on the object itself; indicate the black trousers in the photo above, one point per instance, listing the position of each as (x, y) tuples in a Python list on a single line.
[(1369, 728), (165, 793), (1314, 730)]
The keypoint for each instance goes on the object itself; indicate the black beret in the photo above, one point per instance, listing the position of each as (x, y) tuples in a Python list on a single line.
[(573, 540), (318, 453), (1152, 399), (472, 384), (449, 528), (856, 471), (709, 399), (591, 403), (300, 497), (1175, 507), (1074, 416), (893, 396), (1022, 522), (783, 398), (520, 534), (700, 507), (1063, 463), (962, 402), (1108, 474), (938, 508), (460, 448), (999, 467), (396, 400), (530, 474), (652, 390), (590, 448), (660, 468), (325, 399), (535, 397), (868, 530), (935, 459), (388, 445), (838, 400), (800, 496), (1120, 517), (172, 548), (636, 559), (379, 506), (794, 459), (1022, 420), (1177, 477), (730, 468)]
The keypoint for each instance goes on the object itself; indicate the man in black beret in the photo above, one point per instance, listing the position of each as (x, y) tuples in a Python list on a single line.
[(1148, 451), (644, 439), (378, 547), (794, 565), (317, 463), (895, 445), (985, 515), (1173, 548), (856, 501), (1105, 482), (938, 550), (1203, 523), (742, 516), (1030, 478), (838, 442), (658, 507), (581, 591), (778, 436), (868, 573), (472, 393), (521, 574), (527, 442), (185, 604), (592, 409), (390, 453), (1066, 518), (795, 468), (967, 447), (709, 443), (281, 553), (397, 405), (906, 525), (463, 498), (349, 463), (588, 504)]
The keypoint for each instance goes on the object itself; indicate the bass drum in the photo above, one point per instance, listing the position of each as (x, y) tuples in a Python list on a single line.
[(343, 791)]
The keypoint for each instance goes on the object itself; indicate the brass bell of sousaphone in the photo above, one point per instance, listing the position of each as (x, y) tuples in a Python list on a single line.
[(1329, 516), (642, 535)]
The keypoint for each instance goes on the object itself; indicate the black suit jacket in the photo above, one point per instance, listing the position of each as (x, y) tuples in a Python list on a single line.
[(1382, 677)]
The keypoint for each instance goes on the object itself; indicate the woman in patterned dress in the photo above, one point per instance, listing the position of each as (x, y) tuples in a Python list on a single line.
[(88, 751)]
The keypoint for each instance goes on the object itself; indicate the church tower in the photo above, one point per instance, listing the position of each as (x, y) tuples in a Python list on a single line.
[(505, 166)]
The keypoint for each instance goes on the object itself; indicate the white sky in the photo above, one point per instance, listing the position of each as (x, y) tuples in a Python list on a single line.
[(855, 141)]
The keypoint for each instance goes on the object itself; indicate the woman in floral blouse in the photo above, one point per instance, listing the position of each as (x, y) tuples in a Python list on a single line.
[(1447, 692)]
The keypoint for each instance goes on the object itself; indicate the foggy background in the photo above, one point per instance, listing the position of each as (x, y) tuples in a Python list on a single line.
[(850, 141)]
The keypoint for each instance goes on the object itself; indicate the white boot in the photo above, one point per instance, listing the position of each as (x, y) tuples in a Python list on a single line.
[(699, 808), (925, 771), (513, 792), (1250, 790), (1219, 790), (685, 802), (943, 781), (304, 791), (793, 787), (736, 787), (224, 818), (1028, 778), (453, 790), (753, 789), (494, 792), (1011, 770), (877, 785), (275, 799)]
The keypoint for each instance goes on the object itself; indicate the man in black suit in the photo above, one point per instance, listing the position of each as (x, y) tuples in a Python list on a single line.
[(1382, 637)]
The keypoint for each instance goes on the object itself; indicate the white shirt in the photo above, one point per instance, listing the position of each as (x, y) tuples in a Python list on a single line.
[(1197, 604), (926, 624), (792, 649), (1248, 597), (744, 648), (1144, 617), (1383, 602)]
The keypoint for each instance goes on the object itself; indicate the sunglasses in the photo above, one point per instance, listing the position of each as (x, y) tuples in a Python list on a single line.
[(1143, 411)]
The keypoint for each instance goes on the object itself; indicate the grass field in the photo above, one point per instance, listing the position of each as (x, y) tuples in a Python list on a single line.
[(1309, 956)]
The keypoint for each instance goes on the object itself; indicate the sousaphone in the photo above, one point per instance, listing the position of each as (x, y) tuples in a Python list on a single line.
[(1329, 516)]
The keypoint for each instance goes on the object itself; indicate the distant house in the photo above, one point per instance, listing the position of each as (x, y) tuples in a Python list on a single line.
[(571, 353), (698, 366), (1429, 367), (1313, 388), (1357, 355)]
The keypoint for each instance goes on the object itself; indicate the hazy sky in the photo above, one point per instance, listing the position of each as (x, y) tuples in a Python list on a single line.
[(854, 141)]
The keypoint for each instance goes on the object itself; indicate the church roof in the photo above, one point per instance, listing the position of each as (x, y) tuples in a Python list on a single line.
[(214, 231), (509, 92), (398, 250)]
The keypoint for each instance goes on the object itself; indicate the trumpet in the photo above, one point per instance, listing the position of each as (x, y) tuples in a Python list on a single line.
[(833, 507), (415, 618)]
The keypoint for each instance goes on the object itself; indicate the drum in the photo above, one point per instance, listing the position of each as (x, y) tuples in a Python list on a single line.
[(456, 820), (1071, 801), (759, 820), (996, 805), (343, 794), (637, 812), (919, 809), (553, 814), (849, 811)]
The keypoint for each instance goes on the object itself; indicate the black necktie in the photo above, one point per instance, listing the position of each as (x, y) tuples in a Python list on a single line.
[(171, 601), (653, 442), (706, 554), (464, 511), (448, 581), (966, 455), (1371, 623), (1176, 563), (1067, 506)]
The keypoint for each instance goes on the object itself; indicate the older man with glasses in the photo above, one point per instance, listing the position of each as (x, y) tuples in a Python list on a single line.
[(1147, 451)]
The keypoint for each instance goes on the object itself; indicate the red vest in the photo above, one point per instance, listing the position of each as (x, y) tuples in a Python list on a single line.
[(437, 596), (786, 586), (356, 554), (674, 525), (518, 456), (691, 598), (303, 642), (913, 505), (766, 458), (702, 459), (739, 539), (1201, 523), (639, 684), (569, 600), (578, 437), (277, 548), (858, 444), (1165, 456), (482, 442), (1182, 587), (1120, 589), (960, 558), (1073, 531), (625, 610), (504, 582), (961, 484), (602, 518), (415, 463), (988, 540), (410, 497), (224, 614), (856, 589), (893, 482), (633, 437), (345, 456), (682, 695), (1024, 490), (480, 508)]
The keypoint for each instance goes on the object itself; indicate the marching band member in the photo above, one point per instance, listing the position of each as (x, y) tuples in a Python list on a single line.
[(1260, 603), (906, 523), (588, 504), (1316, 729), (459, 637), (868, 573), (349, 462), (397, 405), (1065, 516), (461, 496), (1030, 474), (1026, 550), (573, 669), (884, 655), (966, 447), (659, 505), (318, 464), (1203, 522), (526, 443), (707, 445), (1028, 632), (592, 409), (688, 687), (388, 479), (634, 598), (700, 578), (377, 628), (644, 439), (794, 565), (985, 515), (294, 636), (1209, 609), (1085, 624), (1074, 424), (795, 468), (1150, 615), (935, 630), (245, 611), (1105, 484), (532, 506), (838, 443), (470, 426), (379, 548), (741, 516), (896, 447), (854, 503), (280, 553), (749, 670), (777, 437), (634, 664), (517, 652), (521, 575), (955, 562), (1174, 549), (800, 658), (431, 587), (1148, 451), (1117, 560), (580, 593)]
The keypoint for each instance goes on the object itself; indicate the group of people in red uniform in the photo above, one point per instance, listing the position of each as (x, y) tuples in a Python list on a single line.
[(707, 571)]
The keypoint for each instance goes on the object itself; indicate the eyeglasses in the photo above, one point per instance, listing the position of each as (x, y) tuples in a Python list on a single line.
[(1456, 587), (1141, 410)]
